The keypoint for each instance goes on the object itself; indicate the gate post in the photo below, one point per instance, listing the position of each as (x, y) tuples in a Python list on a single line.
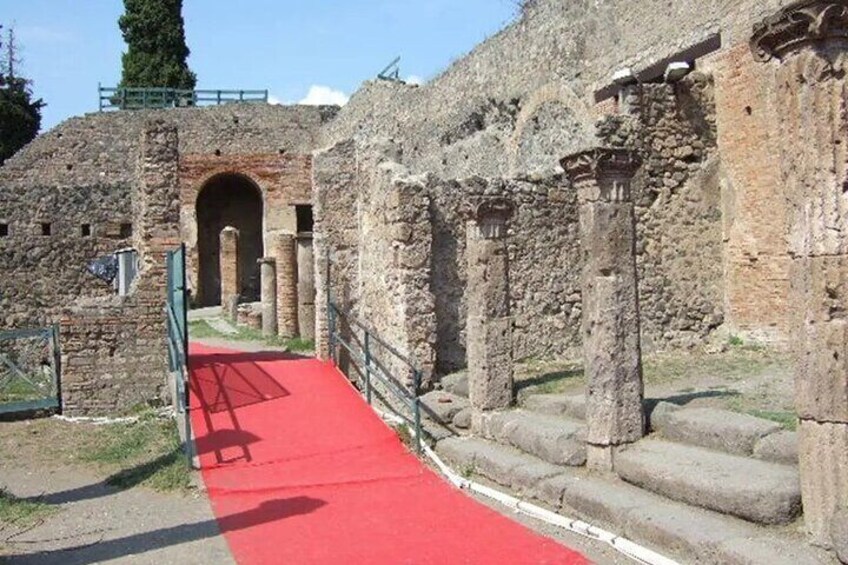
[(611, 341), (807, 44)]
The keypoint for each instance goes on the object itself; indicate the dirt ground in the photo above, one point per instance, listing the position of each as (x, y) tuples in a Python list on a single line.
[(82, 519), (743, 379)]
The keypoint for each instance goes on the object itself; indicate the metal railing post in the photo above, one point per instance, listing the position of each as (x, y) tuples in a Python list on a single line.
[(417, 415), (368, 366)]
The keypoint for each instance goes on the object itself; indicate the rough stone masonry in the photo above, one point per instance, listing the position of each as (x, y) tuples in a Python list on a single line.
[(611, 349), (808, 43)]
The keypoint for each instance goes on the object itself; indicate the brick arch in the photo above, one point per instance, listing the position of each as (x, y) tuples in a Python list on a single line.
[(552, 93), (228, 199)]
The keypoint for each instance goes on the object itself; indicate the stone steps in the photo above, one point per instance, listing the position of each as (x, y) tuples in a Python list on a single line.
[(553, 439), (758, 491), (446, 409), (691, 534), (723, 430)]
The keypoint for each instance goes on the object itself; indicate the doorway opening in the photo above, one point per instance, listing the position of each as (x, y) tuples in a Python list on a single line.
[(233, 200)]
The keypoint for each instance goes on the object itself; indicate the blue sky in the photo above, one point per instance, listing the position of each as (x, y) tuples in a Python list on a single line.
[(292, 48)]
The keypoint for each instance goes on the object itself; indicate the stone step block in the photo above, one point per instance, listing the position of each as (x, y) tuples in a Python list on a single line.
[(525, 475), (442, 407), (571, 406), (456, 383), (759, 491), (556, 440), (781, 447), (694, 534), (676, 529), (722, 430)]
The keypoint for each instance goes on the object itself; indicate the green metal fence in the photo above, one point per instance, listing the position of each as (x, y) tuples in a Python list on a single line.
[(157, 98), (373, 364), (176, 311), (29, 370)]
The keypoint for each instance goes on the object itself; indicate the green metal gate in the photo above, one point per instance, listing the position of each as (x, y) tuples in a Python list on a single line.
[(177, 321), (29, 370)]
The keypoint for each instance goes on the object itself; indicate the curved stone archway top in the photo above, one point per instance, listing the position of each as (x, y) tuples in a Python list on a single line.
[(800, 24)]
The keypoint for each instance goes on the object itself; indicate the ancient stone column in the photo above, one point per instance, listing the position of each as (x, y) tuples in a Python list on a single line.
[(285, 253), (807, 43), (268, 290), (229, 273), (611, 342), (305, 287), (489, 324)]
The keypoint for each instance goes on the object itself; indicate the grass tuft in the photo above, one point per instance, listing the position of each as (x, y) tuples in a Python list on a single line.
[(22, 513), (201, 329), (147, 453)]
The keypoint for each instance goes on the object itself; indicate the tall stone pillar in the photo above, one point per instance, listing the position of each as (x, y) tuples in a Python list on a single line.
[(230, 273), (268, 290), (611, 342), (489, 324), (807, 43), (285, 253), (305, 287)]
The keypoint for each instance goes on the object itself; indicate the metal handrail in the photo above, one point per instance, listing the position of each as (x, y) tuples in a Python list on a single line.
[(124, 98), (371, 367)]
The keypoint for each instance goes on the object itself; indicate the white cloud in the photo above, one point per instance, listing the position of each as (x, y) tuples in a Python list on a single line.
[(324, 95), (274, 100), (414, 79)]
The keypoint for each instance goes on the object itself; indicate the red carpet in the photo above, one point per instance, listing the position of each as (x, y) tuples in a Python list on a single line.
[(300, 470)]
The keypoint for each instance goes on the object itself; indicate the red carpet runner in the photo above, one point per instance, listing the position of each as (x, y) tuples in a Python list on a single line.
[(300, 470)]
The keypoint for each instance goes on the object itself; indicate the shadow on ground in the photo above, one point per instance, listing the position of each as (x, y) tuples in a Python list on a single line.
[(133, 545)]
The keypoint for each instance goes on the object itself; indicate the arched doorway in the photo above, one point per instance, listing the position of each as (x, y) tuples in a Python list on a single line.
[(228, 199)]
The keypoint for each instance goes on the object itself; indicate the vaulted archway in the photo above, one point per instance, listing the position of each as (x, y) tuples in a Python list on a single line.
[(228, 199)]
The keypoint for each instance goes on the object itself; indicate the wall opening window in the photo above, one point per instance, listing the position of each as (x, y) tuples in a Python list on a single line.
[(46, 228), (4, 229), (85, 230), (126, 231), (304, 218)]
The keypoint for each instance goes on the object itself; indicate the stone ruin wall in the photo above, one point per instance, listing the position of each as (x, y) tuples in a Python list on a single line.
[(86, 172), (677, 196), (524, 99)]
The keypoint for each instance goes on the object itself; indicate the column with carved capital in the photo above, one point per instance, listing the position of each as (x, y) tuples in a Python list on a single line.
[(807, 43), (611, 342), (489, 324)]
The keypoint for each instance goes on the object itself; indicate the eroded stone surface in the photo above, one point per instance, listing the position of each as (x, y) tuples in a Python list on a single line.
[(722, 481), (723, 430), (781, 447)]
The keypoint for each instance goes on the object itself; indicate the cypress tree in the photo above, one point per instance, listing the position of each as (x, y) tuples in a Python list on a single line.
[(20, 115), (156, 55)]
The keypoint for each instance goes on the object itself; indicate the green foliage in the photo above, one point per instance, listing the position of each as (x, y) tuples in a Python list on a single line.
[(735, 341), (20, 115), (22, 513), (156, 47), (147, 452)]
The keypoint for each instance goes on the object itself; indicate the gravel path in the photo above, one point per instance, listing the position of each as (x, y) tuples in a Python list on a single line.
[(98, 524)]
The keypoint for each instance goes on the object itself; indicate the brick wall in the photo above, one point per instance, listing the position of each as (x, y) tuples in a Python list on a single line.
[(756, 259)]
